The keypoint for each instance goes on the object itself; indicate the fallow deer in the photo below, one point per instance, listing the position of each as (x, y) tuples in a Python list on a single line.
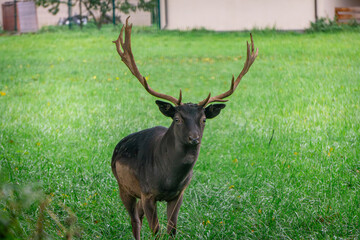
[(156, 164)]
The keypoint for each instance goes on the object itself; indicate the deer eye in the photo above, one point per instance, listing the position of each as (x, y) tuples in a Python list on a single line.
[(177, 120), (204, 120)]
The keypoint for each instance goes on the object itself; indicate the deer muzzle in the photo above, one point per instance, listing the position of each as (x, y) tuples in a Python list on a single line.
[(194, 140)]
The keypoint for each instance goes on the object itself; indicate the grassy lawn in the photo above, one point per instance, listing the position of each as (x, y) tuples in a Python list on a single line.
[(281, 161)]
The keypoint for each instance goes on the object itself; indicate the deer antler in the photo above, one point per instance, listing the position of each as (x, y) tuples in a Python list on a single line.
[(128, 58), (250, 58)]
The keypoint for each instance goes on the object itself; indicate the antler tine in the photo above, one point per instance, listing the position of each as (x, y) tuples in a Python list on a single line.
[(250, 58), (180, 98), (128, 58)]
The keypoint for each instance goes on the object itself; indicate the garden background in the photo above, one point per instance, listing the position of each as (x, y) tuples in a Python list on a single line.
[(281, 161)]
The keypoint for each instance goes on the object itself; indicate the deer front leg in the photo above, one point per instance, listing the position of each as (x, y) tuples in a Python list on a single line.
[(140, 211), (149, 207), (173, 208), (130, 205)]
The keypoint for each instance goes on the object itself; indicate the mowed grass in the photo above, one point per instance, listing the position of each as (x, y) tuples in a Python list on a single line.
[(282, 160)]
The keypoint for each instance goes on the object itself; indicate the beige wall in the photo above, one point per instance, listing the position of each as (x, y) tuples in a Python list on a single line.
[(139, 18), (232, 15)]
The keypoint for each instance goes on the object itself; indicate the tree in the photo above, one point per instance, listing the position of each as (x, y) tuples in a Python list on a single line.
[(53, 4), (106, 6), (150, 6), (98, 9)]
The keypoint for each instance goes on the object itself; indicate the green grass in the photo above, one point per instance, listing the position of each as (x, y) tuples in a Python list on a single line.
[(67, 99)]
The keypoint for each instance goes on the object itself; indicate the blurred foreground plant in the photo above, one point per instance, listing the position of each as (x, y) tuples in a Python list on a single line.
[(27, 213)]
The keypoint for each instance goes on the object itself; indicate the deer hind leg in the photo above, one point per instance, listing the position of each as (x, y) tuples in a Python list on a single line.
[(149, 208), (173, 208), (129, 202)]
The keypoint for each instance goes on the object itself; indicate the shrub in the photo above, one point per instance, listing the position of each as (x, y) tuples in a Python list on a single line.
[(328, 25)]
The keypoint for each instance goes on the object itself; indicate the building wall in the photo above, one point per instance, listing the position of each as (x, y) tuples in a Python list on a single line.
[(223, 15), (233, 15), (139, 18)]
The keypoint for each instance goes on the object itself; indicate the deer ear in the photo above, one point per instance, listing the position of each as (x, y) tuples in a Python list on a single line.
[(213, 110), (166, 108)]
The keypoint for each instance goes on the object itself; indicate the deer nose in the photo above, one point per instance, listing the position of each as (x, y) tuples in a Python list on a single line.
[(194, 140)]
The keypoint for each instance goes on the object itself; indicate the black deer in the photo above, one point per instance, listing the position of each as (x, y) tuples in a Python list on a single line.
[(156, 164)]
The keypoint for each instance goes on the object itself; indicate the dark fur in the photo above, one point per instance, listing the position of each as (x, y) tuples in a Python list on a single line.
[(156, 164)]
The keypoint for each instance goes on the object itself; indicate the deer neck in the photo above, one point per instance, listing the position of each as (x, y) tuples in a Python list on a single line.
[(174, 161), (177, 153)]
